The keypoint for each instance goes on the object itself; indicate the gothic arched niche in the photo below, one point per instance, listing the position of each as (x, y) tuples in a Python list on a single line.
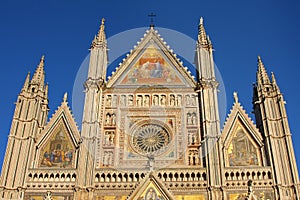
[(242, 150), (58, 151)]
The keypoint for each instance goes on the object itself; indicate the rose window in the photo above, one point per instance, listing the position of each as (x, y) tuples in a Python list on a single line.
[(150, 139)]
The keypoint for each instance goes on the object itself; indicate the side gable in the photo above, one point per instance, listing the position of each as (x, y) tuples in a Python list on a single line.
[(58, 142), (241, 140), (151, 63)]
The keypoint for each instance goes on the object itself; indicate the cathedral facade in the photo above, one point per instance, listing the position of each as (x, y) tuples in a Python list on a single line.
[(151, 131)]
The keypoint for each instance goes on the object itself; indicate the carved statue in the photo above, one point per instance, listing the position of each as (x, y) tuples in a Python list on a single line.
[(197, 158), (172, 100), (110, 157), (189, 119), (193, 120), (130, 100), (163, 100), (155, 100), (111, 138), (192, 100), (147, 100), (107, 119), (139, 101), (106, 158), (113, 120), (114, 100), (187, 100), (123, 100), (193, 157), (108, 100), (179, 100), (106, 138), (192, 138)]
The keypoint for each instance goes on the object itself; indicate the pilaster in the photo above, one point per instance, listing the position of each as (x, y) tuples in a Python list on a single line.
[(209, 113)]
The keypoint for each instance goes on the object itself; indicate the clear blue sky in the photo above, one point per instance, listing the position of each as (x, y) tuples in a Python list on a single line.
[(63, 31)]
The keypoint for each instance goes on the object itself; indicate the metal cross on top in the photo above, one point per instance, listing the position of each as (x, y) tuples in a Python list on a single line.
[(152, 15)]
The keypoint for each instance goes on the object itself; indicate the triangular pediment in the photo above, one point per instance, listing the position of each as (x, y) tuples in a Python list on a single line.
[(242, 141), (58, 142), (151, 63), (239, 118), (151, 188)]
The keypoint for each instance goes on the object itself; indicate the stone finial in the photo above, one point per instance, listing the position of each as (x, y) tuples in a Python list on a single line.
[(201, 21), (235, 96), (202, 38), (65, 98), (101, 33)]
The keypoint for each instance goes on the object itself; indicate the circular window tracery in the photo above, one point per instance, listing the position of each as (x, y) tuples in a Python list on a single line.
[(150, 139)]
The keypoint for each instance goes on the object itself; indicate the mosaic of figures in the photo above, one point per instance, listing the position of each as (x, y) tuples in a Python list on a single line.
[(58, 152), (241, 151), (264, 195), (151, 194), (146, 100), (151, 68)]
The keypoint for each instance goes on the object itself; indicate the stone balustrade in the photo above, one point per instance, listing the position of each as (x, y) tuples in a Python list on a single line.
[(261, 176)]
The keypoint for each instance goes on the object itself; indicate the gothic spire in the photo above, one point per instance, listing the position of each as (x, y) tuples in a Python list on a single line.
[(100, 37), (273, 78), (101, 34), (274, 83), (202, 37), (39, 75), (262, 76), (27, 82)]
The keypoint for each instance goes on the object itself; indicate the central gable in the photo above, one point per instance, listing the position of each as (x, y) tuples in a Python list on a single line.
[(151, 63)]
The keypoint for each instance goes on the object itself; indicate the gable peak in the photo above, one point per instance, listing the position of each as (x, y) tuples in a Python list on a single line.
[(151, 47), (237, 108)]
